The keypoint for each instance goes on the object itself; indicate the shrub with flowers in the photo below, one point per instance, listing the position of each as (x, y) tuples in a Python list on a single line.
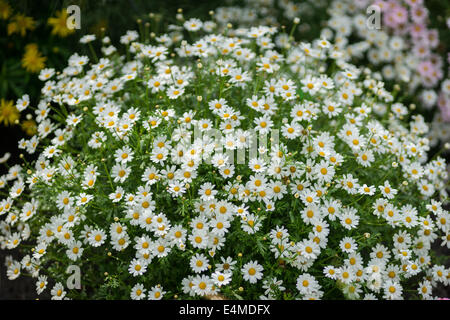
[(224, 165), (405, 49)]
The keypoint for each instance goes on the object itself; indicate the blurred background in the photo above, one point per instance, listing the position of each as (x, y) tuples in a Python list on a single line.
[(34, 35)]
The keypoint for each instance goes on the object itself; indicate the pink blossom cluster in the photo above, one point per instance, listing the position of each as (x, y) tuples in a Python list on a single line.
[(444, 106), (409, 17)]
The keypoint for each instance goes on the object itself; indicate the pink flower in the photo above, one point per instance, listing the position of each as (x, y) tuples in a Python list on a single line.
[(421, 50), (417, 30), (425, 68), (433, 38), (382, 4), (400, 15)]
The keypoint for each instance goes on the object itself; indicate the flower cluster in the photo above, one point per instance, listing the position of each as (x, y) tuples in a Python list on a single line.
[(225, 164), (398, 42), (404, 49)]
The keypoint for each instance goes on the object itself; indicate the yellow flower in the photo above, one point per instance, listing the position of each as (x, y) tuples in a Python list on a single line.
[(8, 112), (32, 60), (20, 24), (29, 126), (59, 24), (5, 10)]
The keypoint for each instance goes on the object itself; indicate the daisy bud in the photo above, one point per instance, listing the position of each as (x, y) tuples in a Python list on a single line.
[(199, 65), (211, 13), (229, 25), (199, 98), (405, 183), (296, 20), (241, 289), (367, 235), (412, 106), (240, 255), (447, 146)]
